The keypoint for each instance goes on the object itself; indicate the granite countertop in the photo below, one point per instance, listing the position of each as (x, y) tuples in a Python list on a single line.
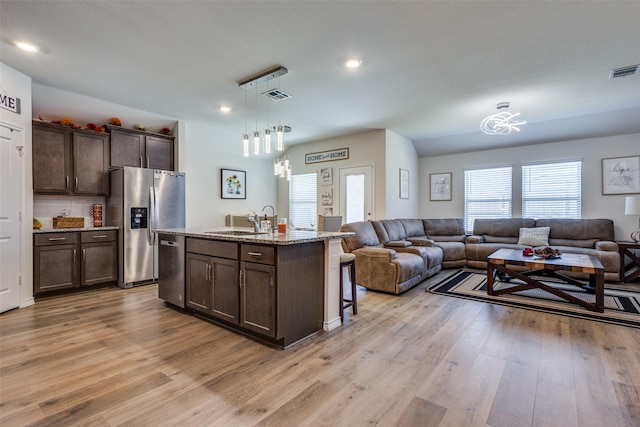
[(291, 237), (68, 230)]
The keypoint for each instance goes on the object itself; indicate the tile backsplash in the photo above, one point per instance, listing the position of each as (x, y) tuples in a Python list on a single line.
[(47, 207)]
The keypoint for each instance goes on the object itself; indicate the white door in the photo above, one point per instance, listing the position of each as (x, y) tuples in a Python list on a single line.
[(11, 197), (356, 193)]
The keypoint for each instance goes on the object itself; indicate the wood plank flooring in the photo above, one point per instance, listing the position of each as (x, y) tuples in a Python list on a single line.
[(115, 357)]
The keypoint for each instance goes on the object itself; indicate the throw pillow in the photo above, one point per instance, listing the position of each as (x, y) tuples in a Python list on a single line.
[(537, 236)]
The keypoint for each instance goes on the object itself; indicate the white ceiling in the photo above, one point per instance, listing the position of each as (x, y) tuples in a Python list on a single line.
[(432, 69)]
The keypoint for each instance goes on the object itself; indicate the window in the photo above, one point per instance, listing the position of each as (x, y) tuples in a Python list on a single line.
[(303, 200), (487, 194), (552, 190)]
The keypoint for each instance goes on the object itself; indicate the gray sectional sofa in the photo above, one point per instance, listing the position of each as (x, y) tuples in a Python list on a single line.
[(393, 255), (577, 236)]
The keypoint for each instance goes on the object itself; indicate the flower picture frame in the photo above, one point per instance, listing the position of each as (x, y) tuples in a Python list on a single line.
[(233, 184)]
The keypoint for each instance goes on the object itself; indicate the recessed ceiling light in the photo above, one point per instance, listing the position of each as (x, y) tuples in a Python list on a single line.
[(353, 62), (26, 46), (225, 109)]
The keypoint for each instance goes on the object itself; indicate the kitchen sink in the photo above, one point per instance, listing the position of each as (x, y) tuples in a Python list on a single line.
[(235, 232)]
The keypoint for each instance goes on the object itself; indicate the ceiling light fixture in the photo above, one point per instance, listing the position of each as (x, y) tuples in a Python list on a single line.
[(353, 62), (26, 46), (225, 109), (263, 142), (502, 123)]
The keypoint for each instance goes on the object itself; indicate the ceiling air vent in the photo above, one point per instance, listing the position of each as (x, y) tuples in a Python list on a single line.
[(276, 95), (624, 71)]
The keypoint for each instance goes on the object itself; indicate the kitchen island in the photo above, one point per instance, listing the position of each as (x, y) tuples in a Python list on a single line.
[(278, 288)]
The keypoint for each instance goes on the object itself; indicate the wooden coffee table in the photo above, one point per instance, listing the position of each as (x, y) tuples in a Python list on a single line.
[(499, 262)]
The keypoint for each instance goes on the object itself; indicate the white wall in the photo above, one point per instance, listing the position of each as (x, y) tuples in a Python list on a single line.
[(365, 149), (18, 85), (205, 155), (591, 151), (401, 154)]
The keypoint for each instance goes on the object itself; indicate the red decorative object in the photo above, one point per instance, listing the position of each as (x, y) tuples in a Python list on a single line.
[(115, 121), (93, 127), (165, 131)]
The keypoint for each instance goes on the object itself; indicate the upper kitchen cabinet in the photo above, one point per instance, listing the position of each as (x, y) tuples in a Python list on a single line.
[(141, 149), (69, 161)]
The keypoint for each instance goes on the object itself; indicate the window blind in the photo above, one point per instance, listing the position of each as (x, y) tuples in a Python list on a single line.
[(303, 200), (552, 190), (487, 194)]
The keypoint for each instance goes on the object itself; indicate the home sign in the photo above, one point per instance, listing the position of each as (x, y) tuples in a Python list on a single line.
[(10, 103), (326, 156)]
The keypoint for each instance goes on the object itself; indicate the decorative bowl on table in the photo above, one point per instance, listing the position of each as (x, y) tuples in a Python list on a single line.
[(547, 253)]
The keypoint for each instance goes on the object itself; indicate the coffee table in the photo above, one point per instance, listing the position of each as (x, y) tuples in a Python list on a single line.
[(499, 262)]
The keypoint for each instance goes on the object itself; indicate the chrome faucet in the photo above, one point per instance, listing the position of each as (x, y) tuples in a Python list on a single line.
[(274, 217), (254, 220)]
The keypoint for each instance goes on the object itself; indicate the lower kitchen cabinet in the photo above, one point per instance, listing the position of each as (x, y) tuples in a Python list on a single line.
[(274, 293), (67, 260), (99, 251), (212, 281), (258, 298)]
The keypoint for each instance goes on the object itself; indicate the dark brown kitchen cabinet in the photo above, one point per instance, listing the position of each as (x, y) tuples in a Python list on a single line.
[(68, 260), (99, 252), (141, 149), (55, 262), (69, 161), (258, 298), (274, 293), (212, 281)]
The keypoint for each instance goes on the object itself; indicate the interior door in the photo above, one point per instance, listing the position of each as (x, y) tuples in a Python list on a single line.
[(356, 193), (11, 200)]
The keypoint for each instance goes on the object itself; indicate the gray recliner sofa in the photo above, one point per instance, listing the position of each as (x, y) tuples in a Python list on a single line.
[(578, 236), (394, 268)]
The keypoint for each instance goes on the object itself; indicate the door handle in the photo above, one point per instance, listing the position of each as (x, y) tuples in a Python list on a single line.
[(76, 182), (53, 239), (141, 164), (256, 254), (84, 255), (66, 185), (102, 236), (147, 162), (241, 279)]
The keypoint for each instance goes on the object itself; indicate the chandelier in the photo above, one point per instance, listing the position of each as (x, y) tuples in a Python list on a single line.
[(282, 167), (502, 123), (261, 142)]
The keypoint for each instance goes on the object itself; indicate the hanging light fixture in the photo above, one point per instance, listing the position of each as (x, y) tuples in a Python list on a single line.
[(279, 130), (245, 135), (502, 123)]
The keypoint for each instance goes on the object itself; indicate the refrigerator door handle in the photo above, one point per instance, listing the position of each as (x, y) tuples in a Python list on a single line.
[(152, 215)]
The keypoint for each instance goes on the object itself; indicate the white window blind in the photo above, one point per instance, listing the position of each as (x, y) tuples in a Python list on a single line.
[(487, 194), (303, 200), (552, 190)]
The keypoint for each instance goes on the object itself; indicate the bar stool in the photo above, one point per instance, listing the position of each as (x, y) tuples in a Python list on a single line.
[(348, 260)]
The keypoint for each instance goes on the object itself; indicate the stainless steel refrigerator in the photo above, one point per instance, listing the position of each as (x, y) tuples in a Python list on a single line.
[(142, 200)]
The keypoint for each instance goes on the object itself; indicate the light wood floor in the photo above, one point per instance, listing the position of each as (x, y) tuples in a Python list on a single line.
[(120, 357)]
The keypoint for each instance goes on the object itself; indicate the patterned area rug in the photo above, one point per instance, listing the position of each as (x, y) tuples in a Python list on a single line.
[(622, 307)]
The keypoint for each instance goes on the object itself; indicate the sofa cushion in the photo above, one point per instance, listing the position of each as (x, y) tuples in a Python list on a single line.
[(502, 227), (389, 230), (577, 229), (365, 236), (537, 236), (444, 227), (412, 227)]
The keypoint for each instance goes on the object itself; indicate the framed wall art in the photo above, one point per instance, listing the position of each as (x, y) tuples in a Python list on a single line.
[(440, 186), (326, 176), (621, 175), (233, 184), (404, 184)]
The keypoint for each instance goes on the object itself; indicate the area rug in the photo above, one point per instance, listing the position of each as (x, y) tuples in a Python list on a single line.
[(622, 307)]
